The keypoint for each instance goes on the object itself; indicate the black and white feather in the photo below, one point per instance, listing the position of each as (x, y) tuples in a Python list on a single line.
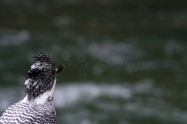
[(37, 106)]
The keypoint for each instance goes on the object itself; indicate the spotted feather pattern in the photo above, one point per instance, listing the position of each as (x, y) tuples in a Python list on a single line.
[(40, 77), (37, 106)]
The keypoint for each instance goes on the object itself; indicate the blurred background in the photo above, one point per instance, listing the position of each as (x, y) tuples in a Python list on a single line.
[(125, 59)]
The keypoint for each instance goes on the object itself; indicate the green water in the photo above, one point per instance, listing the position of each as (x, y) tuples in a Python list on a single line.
[(125, 61)]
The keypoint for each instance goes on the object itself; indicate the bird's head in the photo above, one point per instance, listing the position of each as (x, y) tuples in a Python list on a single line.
[(41, 77)]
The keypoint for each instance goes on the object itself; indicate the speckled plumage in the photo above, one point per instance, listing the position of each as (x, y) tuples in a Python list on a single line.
[(37, 106), (29, 113)]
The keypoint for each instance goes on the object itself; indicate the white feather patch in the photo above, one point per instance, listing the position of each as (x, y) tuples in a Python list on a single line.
[(27, 81)]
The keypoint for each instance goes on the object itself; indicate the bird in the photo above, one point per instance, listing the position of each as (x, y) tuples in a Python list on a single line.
[(37, 106)]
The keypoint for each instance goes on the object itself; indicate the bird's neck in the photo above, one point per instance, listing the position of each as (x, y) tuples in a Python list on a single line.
[(42, 98)]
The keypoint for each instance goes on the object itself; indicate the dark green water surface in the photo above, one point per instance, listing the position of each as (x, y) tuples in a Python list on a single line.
[(126, 61)]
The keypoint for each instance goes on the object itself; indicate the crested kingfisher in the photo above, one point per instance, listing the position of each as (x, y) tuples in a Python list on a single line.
[(37, 106)]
